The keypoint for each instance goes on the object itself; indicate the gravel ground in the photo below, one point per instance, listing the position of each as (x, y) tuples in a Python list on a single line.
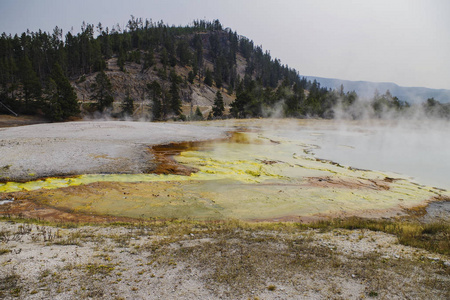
[(178, 262), (73, 148)]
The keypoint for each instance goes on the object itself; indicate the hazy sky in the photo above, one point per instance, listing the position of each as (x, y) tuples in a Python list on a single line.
[(401, 41)]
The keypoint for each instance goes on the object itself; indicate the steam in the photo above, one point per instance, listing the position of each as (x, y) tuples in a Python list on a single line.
[(276, 111), (109, 115), (391, 108), (412, 140), (389, 136), (99, 116)]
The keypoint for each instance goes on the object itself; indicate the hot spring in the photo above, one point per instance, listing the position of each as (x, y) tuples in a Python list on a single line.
[(270, 170), (417, 149)]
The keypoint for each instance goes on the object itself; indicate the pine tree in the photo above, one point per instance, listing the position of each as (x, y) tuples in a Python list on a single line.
[(156, 94), (208, 78), (30, 81), (157, 111), (183, 52), (175, 100), (218, 106), (121, 61), (191, 77), (102, 91), (164, 58), (148, 60), (198, 46), (53, 109), (127, 105), (198, 115), (64, 101)]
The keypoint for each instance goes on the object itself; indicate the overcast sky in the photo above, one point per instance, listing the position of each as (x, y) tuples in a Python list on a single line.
[(401, 41)]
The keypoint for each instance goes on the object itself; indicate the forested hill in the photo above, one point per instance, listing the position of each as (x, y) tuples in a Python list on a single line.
[(146, 68), (159, 72)]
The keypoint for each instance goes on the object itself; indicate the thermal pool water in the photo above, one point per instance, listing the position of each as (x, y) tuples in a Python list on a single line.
[(266, 170)]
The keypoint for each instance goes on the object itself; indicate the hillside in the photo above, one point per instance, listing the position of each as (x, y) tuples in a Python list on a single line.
[(366, 89), (134, 82), (157, 72), (146, 69)]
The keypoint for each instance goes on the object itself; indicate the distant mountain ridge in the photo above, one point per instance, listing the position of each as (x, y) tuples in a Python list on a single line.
[(366, 89)]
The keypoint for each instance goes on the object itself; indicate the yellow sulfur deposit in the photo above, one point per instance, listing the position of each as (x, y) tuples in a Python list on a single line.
[(250, 176)]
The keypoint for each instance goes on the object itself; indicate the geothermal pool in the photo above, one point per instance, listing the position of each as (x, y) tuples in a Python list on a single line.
[(266, 170), (417, 150)]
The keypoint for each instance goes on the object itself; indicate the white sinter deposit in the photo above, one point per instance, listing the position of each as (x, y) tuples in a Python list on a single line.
[(72, 148)]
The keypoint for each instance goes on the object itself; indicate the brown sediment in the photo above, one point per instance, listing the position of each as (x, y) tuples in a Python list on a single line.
[(390, 179), (268, 162), (29, 209), (292, 218), (330, 182), (12, 121), (166, 164), (385, 214), (164, 154)]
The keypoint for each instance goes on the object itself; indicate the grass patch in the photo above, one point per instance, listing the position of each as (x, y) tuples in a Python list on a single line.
[(434, 237), (29, 221), (4, 251), (74, 238), (373, 294), (93, 269), (9, 284)]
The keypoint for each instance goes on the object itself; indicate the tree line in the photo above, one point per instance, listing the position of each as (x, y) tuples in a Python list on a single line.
[(36, 69)]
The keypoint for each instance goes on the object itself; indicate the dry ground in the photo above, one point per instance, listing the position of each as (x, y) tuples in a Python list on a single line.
[(225, 260)]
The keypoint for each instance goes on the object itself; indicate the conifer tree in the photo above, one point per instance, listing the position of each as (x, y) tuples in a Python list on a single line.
[(218, 106), (164, 58), (156, 94), (198, 46), (183, 53), (157, 109), (63, 99), (175, 100), (208, 78), (53, 109), (148, 60), (103, 91), (198, 115), (191, 77), (30, 81), (127, 105)]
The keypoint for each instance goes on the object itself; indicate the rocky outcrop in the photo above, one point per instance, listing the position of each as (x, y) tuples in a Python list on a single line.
[(134, 80)]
